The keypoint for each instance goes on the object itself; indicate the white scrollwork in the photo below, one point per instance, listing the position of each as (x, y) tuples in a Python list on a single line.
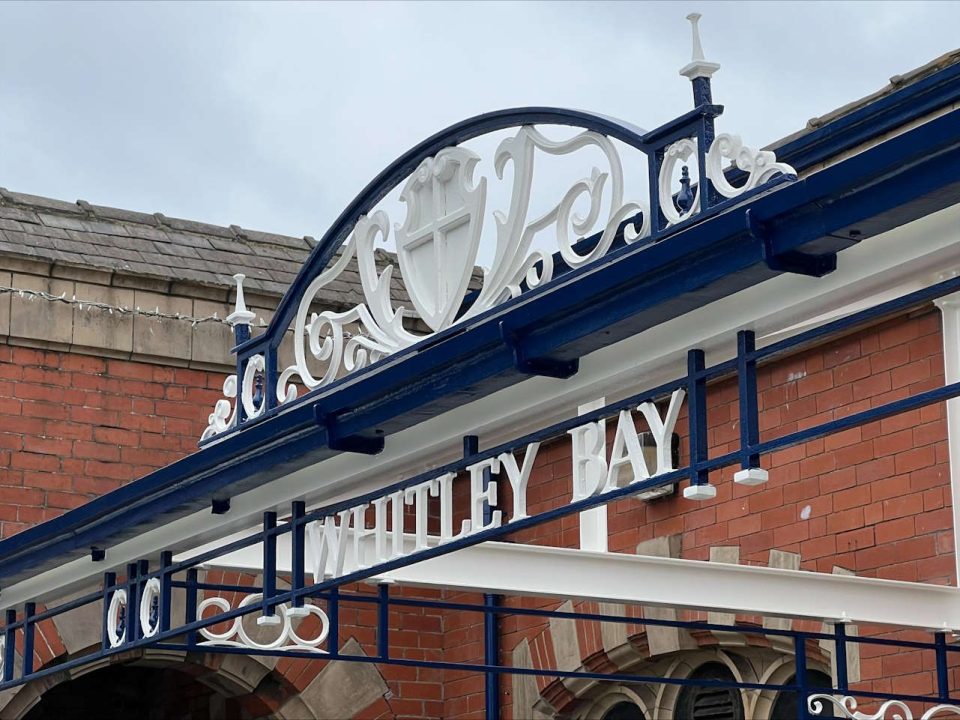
[(224, 411), (761, 165), (438, 244), (236, 635), (890, 710), (437, 248)]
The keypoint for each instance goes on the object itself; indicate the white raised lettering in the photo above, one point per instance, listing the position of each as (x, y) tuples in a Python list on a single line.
[(626, 450), (519, 477)]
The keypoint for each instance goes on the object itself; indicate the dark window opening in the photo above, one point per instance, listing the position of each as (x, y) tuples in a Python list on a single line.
[(624, 711), (709, 702), (785, 706)]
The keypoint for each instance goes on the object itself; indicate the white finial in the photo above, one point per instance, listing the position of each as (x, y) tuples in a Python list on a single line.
[(694, 18), (240, 314), (698, 66)]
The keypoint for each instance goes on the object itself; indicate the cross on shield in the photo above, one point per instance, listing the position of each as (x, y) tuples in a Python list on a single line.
[(438, 241)]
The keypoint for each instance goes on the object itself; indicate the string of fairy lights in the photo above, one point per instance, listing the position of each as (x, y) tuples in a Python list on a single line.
[(123, 310)]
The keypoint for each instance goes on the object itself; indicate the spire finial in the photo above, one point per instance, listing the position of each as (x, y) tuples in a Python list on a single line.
[(698, 67), (694, 19), (240, 314)]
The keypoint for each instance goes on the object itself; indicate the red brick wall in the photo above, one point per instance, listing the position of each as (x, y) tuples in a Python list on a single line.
[(73, 427)]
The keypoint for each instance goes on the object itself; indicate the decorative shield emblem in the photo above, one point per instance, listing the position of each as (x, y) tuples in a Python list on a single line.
[(437, 243)]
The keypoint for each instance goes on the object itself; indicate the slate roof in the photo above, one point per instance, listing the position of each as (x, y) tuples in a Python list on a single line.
[(156, 246)]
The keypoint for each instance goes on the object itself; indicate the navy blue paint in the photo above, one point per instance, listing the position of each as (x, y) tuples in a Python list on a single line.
[(29, 610), (166, 594), (840, 656), (269, 562), (697, 416), (131, 611), (190, 611), (943, 676), (220, 506), (920, 171), (383, 621), (800, 679), (749, 408), (298, 548), (9, 646), (333, 617)]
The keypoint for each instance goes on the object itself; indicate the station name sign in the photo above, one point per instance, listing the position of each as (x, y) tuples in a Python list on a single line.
[(374, 532)]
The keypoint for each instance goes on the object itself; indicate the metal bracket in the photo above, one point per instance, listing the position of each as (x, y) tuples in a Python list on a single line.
[(359, 444), (792, 261), (220, 506), (546, 367)]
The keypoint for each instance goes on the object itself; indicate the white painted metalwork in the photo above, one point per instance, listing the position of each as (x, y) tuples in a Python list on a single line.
[(149, 608), (437, 247), (890, 710), (698, 67), (116, 618), (287, 639)]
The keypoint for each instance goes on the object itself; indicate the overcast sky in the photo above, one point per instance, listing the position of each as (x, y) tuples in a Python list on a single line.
[(273, 116)]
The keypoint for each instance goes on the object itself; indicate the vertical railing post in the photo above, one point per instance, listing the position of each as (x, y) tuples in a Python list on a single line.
[(749, 412), (166, 591), (268, 617), (654, 163), (190, 609), (840, 651), (29, 610), (750, 472), (298, 552), (383, 621), (943, 675), (9, 645), (333, 617), (700, 487), (800, 660), (133, 602)]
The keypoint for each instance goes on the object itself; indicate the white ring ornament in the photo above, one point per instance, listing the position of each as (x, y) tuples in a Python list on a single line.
[(151, 592), (118, 604), (243, 639), (680, 151), (254, 365)]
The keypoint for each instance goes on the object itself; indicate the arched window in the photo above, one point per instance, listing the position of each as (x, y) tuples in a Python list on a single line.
[(785, 707), (624, 711), (708, 702)]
